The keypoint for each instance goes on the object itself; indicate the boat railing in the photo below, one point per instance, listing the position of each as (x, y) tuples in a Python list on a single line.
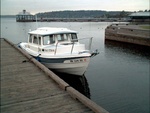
[(73, 42), (56, 48)]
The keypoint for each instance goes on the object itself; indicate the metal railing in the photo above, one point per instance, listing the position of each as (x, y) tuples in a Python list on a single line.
[(73, 42)]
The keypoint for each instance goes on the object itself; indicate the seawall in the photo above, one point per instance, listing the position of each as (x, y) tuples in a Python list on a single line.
[(134, 34)]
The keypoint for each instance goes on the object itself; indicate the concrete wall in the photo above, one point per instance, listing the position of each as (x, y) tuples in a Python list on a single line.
[(128, 35)]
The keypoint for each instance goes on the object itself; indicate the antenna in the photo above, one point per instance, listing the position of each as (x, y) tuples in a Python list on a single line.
[(36, 13), (37, 33), (36, 21)]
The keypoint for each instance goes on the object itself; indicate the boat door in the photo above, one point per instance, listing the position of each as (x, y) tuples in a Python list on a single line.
[(34, 42)]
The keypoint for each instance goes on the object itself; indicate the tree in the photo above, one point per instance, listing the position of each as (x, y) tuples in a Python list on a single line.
[(146, 10)]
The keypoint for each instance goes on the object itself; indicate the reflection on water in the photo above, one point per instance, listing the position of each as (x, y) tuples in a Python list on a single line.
[(78, 82), (127, 48), (127, 74)]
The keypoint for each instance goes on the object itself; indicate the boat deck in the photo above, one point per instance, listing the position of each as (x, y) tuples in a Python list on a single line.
[(26, 88)]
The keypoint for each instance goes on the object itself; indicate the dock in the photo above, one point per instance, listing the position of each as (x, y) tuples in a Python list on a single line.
[(28, 86), (128, 33)]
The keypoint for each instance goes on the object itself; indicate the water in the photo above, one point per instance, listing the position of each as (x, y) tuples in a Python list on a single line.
[(117, 79)]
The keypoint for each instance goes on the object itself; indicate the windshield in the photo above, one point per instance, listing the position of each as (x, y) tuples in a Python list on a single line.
[(49, 39), (74, 37), (67, 37), (34, 39), (62, 37)]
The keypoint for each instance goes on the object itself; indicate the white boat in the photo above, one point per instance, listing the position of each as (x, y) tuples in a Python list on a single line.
[(59, 49)]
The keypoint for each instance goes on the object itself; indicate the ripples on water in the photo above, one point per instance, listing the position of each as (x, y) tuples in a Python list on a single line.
[(129, 76)]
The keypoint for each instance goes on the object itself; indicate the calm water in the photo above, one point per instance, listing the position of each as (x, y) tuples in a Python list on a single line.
[(117, 79)]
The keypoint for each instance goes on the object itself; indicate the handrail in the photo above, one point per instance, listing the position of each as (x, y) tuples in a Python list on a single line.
[(73, 42), (90, 43), (72, 47), (81, 39), (56, 49)]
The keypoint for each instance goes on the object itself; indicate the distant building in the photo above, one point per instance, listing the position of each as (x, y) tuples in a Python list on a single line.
[(140, 17), (25, 17)]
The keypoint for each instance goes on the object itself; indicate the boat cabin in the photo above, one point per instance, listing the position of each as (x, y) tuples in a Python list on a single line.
[(53, 40), (48, 36)]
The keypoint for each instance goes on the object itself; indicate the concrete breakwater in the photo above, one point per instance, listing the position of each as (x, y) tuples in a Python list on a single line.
[(134, 34)]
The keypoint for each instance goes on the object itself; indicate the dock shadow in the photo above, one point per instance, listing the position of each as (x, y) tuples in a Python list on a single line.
[(78, 82)]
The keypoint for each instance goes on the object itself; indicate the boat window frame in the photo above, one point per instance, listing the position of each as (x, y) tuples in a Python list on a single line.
[(31, 39), (49, 41), (39, 40), (35, 41), (74, 37), (61, 37), (66, 37)]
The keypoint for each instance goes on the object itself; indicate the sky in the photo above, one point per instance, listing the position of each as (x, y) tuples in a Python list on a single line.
[(13, 7)]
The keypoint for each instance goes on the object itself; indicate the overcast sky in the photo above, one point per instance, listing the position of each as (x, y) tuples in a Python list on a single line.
[(13, 7)]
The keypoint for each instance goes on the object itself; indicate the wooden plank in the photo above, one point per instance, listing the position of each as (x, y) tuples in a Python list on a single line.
[(48, 105)]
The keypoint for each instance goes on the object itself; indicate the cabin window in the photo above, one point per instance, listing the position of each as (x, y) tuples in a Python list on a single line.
[(48, 39), (68, 36), (30, 39), (52, 39), (35, 40), (74, 38), (65, 37), (45, 40), (39, 40), (62, 37)]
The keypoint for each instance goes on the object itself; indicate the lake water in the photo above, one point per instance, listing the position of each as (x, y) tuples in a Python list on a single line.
[(118, 79)]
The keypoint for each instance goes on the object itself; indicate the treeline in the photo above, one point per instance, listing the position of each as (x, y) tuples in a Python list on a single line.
[(84, 14)]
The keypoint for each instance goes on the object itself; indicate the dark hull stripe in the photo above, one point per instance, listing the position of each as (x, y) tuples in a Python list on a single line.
[(56, 60)]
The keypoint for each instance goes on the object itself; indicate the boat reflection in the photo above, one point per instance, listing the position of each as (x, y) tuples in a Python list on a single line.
[(78, 82)]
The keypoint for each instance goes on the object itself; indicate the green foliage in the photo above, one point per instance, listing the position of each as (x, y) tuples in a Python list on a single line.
[(84, 14)]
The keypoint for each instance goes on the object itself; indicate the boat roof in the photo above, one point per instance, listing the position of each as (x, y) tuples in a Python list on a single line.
[(51, 30)]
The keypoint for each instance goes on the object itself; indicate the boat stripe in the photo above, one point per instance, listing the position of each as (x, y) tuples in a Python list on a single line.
[(56, 60)]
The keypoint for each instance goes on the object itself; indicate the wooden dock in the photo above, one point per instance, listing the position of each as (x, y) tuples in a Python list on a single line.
[(28, 86)]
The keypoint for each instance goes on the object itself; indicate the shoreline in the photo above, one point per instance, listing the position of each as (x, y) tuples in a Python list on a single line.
[(74, 20)]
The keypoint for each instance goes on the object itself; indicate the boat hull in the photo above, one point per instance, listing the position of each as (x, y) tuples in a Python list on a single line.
[(75, 66)]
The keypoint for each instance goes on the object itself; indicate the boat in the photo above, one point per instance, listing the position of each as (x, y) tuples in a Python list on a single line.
[(59, 49)]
